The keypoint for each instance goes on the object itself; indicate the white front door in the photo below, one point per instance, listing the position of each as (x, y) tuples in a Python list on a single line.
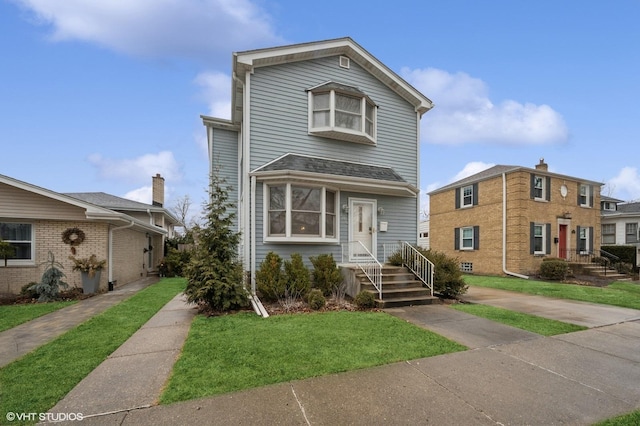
[(362, 227)]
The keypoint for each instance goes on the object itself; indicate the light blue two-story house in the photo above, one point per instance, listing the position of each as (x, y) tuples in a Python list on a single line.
[(322, 152)]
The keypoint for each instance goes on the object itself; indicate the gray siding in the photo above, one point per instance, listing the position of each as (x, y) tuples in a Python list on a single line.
[(279, 124), (225, 162), (279, 117)]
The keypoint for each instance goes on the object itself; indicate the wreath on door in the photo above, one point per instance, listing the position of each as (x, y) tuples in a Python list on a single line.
[(74, 237)]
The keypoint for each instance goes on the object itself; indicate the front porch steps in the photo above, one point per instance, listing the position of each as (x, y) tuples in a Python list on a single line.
[(598, 271), (399, 288)]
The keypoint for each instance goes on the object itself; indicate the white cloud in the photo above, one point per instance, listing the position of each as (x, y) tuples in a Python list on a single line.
[(465, 114), (157, 28), (471, 169), (142, 195), (216, 92), (140, 169), (626, 185)]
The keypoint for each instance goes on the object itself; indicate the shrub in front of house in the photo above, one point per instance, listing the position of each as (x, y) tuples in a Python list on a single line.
[(316, 299), (326, 275), (448, 279), (365, 300), (174, 263), (554, 269), (269, 280), (395, 258), (296, 276)]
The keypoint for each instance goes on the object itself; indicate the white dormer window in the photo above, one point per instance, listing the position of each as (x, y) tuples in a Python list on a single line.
[(342, 112)]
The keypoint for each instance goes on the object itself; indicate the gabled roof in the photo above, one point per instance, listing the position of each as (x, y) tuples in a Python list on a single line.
[(245, 62), (344, 174), (498, 170), (92, 211), (113, 202)]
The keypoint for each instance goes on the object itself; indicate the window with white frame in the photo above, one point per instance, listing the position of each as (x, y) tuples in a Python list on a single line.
[(609, 233), (466, 196), (21, 237), (300, 213), (584, 197), (466, 238), (538, 187), (583, 240), (539, 242), (341, 112), (631, 233), (609, 206)]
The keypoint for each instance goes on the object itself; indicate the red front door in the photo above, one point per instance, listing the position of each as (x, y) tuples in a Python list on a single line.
[(562, 242)]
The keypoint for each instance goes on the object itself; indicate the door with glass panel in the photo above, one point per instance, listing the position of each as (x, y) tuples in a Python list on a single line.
[(362, 228)]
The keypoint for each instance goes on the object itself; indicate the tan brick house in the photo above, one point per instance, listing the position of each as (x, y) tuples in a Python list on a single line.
[(506, 219), (127, 234)]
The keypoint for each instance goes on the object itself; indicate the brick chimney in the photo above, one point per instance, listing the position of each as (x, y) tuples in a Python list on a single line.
[(157, 191), (542, 165)]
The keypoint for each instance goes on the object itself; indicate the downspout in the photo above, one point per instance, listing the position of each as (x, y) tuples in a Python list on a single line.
[(255, 302), (504, 231), (110, 256)]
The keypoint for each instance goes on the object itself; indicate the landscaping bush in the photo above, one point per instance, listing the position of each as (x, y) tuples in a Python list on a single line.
[(174, 263), (296, 276), (316, 299), (365, 300), (327, 276), (554, 269), (395, 258), (49, 286), (627, 254), (448, 280), (269, 280)]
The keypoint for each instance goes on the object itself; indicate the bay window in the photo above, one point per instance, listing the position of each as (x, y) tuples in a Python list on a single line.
[(300, 213), (342, 112)]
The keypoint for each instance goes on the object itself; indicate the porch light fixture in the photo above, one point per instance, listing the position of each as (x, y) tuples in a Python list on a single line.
[(380, 211), (345, 208)]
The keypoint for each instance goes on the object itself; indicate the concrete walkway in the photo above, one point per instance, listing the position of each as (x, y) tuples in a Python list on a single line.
[(509, 377), (134, 375), (24, 338)]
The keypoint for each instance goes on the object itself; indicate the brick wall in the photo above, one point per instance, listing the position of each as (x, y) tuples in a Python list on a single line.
[(521, 211)]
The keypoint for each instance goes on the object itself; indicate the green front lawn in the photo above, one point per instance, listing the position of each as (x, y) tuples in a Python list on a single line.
[(12, 315), (535, 324), (37, 381), (235, 352), (623, 294)]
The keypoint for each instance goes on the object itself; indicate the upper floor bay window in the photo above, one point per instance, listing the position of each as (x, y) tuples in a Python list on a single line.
[(21, 238), (300, 213), (342, 112)]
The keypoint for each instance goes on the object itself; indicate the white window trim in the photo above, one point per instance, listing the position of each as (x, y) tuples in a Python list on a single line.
[(543, 197), (544, 238), (587, 249), (22, 262), (288, 237), (587, 196), (462, 239), (462, 197), (333, 129)]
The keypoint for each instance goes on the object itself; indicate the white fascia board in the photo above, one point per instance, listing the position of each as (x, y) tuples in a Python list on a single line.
[(245, 61)]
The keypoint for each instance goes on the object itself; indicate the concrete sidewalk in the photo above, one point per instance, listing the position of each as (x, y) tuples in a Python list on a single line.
[(509, 377), (134, 375), (24, 338), (571, 311)]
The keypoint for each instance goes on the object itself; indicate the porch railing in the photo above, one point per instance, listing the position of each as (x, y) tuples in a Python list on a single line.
[(415, 261), (355, 252), (602, 258)]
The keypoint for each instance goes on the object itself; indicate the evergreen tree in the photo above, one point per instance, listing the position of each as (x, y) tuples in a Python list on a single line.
[(215, 276)]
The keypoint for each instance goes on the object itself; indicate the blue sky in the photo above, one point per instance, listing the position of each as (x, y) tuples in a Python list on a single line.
[(101, 95)]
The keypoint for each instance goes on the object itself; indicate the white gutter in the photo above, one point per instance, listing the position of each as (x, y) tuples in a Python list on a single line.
[(150, 217), (110, 256), (504, 231)]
